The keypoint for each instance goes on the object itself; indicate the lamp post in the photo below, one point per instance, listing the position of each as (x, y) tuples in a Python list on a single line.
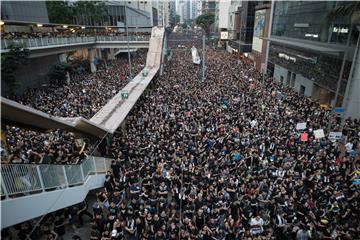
[(344, 55), (203, 61), (128, 44)]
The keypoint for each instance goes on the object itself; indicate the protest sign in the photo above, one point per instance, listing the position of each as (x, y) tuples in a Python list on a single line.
[(333, 136), (301, 126), (304, 137), (319, 133)]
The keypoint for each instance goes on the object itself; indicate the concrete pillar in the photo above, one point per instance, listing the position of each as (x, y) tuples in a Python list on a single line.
[(111, 54), (352, 100), (92, 60), (63, 59), (98, 53)]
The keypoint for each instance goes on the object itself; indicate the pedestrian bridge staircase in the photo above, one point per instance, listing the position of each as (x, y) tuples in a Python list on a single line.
[(29, 191)]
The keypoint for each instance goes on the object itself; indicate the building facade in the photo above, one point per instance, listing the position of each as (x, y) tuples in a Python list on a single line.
[(243, 29), (307, 50), (172, 12), (25, 11)]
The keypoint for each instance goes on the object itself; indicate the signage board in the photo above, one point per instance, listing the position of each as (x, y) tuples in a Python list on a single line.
[(224, 35)]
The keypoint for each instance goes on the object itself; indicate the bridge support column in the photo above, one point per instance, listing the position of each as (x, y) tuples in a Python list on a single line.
[(111, 54), (63, 59), (99, 53), (92, 60)]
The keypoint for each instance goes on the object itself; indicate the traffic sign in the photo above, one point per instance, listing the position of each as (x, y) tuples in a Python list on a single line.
[(339, 110), (124, 94)]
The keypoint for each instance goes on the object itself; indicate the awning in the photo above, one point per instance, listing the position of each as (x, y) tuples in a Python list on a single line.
[(308, 45)]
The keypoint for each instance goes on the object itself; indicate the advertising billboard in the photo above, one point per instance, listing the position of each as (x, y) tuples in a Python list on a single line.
[(258, 30)]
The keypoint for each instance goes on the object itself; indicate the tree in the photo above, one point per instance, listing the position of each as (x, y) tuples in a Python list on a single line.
[(206, 20), (177, 19), (184, 26), (89, 12), (10, 61), (60, 12), (58, 73)]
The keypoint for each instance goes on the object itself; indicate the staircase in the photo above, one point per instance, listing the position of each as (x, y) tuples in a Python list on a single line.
[(30, 191)]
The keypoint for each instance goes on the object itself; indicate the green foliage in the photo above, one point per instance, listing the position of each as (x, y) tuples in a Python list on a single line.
[(59, 11), (206, 20), (57, 73), (80, 12), (177, 18), (184, 25), (10, 61), (89, 12)]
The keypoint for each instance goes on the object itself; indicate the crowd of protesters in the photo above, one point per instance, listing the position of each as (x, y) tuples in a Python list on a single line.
[(222, 159), (83, 96)]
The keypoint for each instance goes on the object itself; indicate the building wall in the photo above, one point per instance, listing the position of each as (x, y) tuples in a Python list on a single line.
[(136, 18), (224, 13), (281, 75), (302, 81), (27, 11)]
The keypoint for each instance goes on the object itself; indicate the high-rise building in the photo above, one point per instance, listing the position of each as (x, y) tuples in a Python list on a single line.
[(166, 13), (199, 7), (172, 11), (208, 6), (221, 15), (193, 9)]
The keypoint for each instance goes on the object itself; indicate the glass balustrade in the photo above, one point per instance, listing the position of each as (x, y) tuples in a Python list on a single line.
[(23, 179), (60, 41)]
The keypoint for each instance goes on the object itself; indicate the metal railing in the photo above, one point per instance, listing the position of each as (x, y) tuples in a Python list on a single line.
[(60, 41), (23, 179)]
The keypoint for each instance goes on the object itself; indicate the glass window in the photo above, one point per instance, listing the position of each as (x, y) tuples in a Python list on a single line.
[(310, 20)]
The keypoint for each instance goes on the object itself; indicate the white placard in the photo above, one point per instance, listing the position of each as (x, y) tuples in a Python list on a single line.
[(333, 136), (224, 35), (301, 126), (319, 133)]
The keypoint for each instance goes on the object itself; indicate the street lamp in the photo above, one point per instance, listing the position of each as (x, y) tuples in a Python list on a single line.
[(128, 44)]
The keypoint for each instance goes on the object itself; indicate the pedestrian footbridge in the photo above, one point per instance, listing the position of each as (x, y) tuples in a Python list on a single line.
[(108, 119), (29, 191), (45, 46)]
